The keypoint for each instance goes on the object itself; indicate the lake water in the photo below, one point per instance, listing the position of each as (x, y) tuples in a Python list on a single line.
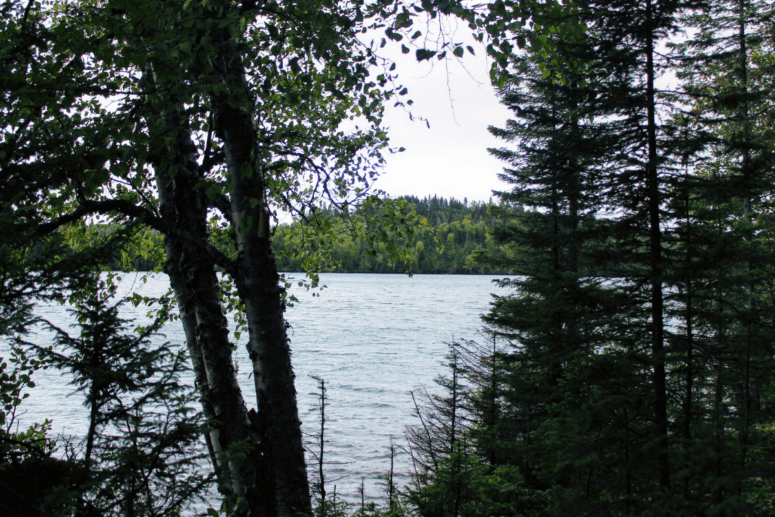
[(372, 337)]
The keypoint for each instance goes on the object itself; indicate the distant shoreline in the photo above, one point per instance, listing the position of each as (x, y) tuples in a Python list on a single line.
[(489, 273)]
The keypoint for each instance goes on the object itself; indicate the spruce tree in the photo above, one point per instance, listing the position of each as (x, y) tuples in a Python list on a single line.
[(142, 453), (589, 321), (438, 444), (727, 75)]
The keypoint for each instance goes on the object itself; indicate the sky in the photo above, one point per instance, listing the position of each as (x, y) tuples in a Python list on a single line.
[(450, 158)]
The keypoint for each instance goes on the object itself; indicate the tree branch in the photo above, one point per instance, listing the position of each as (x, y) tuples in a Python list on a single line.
[(157, 223), (222, 203)]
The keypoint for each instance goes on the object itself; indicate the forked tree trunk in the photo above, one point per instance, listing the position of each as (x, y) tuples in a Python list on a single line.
[(234, 441), (270, 476)]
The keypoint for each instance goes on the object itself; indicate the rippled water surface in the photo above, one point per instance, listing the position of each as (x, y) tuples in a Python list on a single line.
[(372, 337)]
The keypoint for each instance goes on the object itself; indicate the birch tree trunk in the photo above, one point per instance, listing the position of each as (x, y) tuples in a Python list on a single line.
[(260, 290), (234, 441)]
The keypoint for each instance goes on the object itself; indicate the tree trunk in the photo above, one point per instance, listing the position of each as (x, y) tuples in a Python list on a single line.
[(260, 291), (655, 242), (234, 440), (748, 214)]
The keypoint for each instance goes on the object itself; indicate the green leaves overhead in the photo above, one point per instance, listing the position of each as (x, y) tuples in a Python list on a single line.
[(403, 20), (501, 26)]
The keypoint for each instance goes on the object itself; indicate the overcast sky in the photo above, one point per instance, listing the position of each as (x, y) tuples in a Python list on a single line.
[(450, 159)]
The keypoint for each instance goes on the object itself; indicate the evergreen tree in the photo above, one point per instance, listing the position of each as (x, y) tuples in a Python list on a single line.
[(725, 237), (615, 323), (438, 445), (633, 383), (142, 453), (578, 370)]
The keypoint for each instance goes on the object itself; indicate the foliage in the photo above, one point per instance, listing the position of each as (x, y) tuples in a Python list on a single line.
[(143, 249), (142, 454), (438, 446), (186, 117), (202, 121), (14, 382), (432, 235), (630, 373), (444, 235)]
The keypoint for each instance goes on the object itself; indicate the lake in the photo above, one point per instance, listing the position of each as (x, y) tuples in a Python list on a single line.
[(372, 337)]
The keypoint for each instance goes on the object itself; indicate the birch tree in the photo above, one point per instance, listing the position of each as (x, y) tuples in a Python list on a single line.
[(204, 119)]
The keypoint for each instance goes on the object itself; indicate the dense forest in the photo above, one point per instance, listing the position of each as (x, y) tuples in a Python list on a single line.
[(448, 237), (646, 387), (449, 234), (627, 368)]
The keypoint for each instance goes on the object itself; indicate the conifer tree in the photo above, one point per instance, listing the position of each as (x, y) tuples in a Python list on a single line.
[(572, 373), (438, 445), (634, 378), (590, 367), (725, 238), (142, 454)]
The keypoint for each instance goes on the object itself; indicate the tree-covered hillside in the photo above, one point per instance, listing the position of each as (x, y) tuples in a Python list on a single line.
[(447, 234)]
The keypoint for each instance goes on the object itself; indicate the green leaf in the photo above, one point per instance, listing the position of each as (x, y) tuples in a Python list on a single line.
[(403, 20), (423, 54), (458, 52), (211, 192), (404, 49), (390, 33)]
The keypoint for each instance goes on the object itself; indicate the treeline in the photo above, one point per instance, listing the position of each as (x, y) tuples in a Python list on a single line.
[(446, 235)]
